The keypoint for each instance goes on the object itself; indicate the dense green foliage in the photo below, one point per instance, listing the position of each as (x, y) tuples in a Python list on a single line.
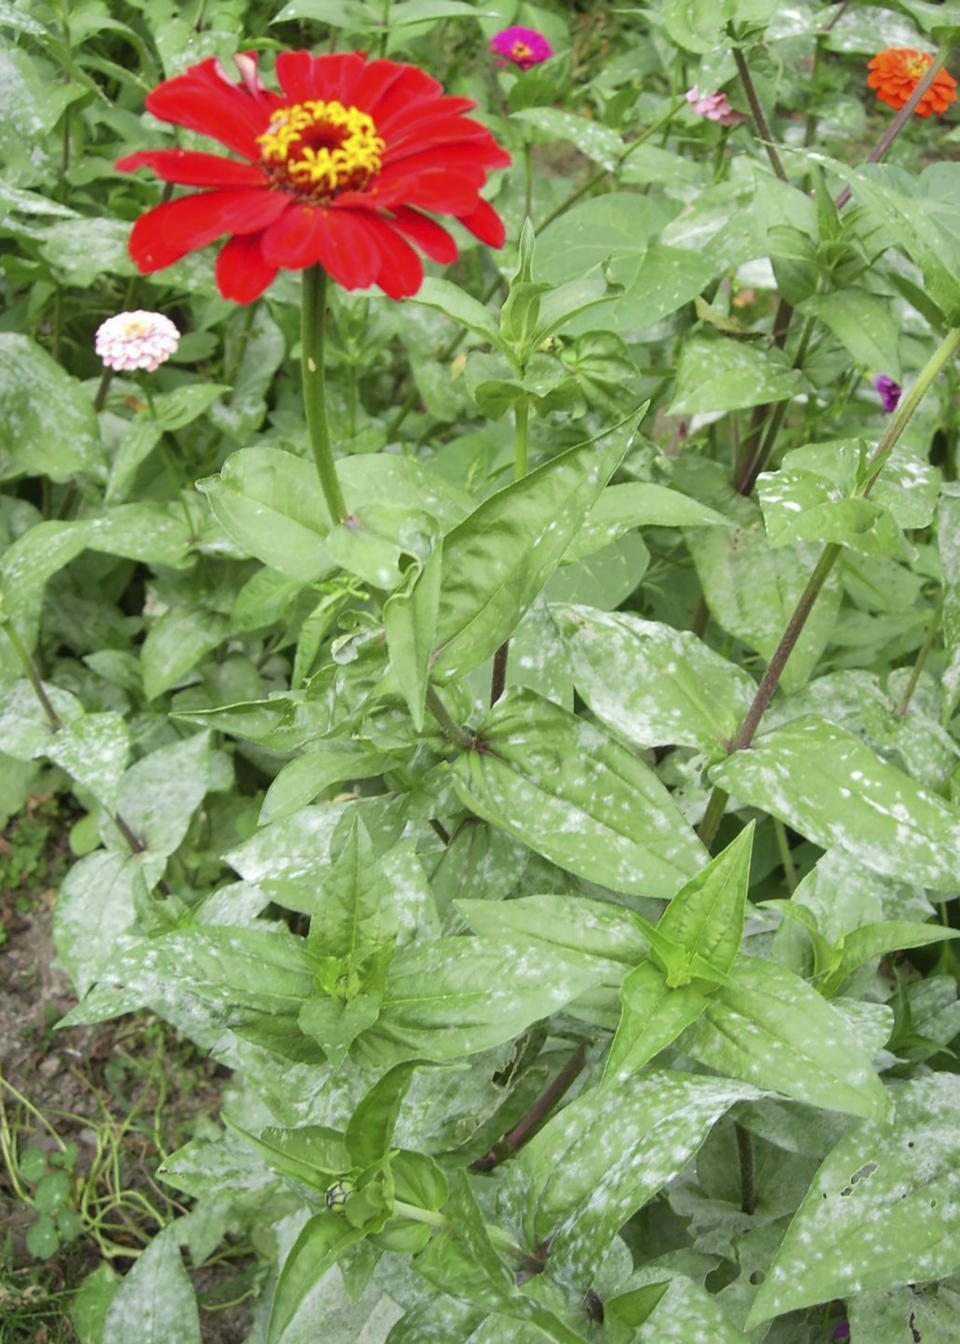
[(616, 1003)]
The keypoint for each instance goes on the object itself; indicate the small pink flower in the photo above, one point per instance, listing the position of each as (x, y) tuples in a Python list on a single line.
[(713, 106), (521, 46), (139, 340)]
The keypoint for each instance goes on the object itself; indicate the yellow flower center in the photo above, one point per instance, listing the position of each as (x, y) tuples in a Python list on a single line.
[(320, 149), (520, 51), (916, 66)]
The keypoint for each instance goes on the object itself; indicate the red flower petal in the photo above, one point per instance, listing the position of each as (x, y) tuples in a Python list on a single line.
[(484, 223), (334, 75), (341, 241), (242, 273), (204, 99), (192, 169), (409, 87), (402, 272), (167, 233), (428, 235)]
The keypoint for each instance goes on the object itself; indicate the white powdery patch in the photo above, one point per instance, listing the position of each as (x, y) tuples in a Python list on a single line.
[(139, 340)]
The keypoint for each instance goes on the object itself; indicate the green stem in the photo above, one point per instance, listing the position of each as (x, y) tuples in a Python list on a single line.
[(312, 331), (527, 177), (597, 178), (748, 1194), (26, 662), (418, 1215), (230, 374), (452, 731), (759, 116), (384, 22), (521, 413), (771, 678), (922, 656), (786, 858)]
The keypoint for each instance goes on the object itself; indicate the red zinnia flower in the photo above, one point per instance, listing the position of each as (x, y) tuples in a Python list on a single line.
[(337, 170), (896, 72)]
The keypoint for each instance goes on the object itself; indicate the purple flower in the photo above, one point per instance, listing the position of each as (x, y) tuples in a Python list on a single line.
[(713, 106), (889, 391), (521, 46)]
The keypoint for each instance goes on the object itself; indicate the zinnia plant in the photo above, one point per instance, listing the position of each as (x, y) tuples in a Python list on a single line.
[(338, 169), (333, 179), (896, 72)]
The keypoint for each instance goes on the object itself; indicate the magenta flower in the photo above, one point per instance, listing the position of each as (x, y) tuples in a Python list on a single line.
[(521, 46), (889, 391), (139, 340), (713, 106)]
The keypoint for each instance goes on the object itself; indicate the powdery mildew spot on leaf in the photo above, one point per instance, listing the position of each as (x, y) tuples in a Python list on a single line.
[(897, 1222)]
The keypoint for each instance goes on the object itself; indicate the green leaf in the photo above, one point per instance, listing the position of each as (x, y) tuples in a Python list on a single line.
[(864, 324), (322, 1241), (595, 1163), (410, 625), (181, 637), (155, 1303), (576, 795), (314, 1155), (47, 422), (369, 1133), (96, 906), (883, 1210), (706, 915), (663, 280), (830, 787), (42, 1238), (155, 534), (457, 304), (619, 223), (621, 508), (141, 438), (651, 683), (159, 794), (696, 25), (720, 374), (931, 1311), (809, 499), (93, 750), (91, 1302), (335, 1024), (876, 940), (270, 503), (455, 996), (685, 1312), (497, 560), (596, 928), (600, 143), (752, 591), (301, 780), (771, 1028), (652, 1015), (354, 911)]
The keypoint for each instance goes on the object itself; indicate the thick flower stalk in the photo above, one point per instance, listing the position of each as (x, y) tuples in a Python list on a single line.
[(896, 72), (337, 170), (523, 47), (140, 340)]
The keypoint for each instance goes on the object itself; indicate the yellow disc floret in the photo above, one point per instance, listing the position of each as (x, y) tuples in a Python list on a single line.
[(320, 149)]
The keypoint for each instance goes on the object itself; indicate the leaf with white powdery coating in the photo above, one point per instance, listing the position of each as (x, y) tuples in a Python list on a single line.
[(651, 683), (771, 1028), (496, 561), (833, 789), (884, 1208), (155, 1304), (574, 794), (602, 1157)]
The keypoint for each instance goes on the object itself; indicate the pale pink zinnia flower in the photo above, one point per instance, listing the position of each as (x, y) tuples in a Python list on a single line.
[(713, 106), (521, 46), (139, 340)]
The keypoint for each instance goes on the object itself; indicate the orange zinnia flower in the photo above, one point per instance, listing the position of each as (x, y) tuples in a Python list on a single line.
[(896, 72)]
